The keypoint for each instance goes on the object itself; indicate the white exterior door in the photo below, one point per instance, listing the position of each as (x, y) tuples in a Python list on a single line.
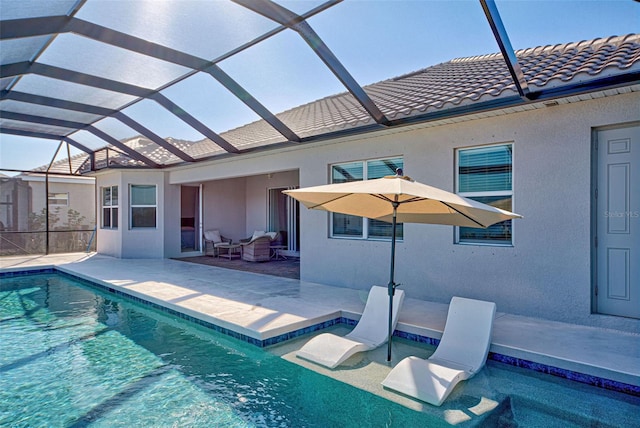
[(618, 222)]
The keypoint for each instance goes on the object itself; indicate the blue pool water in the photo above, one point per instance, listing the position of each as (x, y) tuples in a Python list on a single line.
[(72, 356)]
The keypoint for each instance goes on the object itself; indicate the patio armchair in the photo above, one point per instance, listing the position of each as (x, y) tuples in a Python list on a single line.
[(212, 241), (257, 248)]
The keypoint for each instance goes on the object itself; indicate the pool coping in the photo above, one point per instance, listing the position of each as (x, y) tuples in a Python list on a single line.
[(589, 379)]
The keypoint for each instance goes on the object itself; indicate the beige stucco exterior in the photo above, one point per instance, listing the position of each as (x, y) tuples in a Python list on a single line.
[(79, 191), (546, 273)]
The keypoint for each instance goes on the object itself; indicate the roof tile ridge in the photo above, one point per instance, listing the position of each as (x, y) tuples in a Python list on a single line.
[(475, 58), (546, 48), (580, 44)]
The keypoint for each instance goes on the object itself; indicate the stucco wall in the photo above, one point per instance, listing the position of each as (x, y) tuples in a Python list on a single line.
[(126, 242), (80, 196), (257, 197), (224, 207), (143, 242), (547, 271)]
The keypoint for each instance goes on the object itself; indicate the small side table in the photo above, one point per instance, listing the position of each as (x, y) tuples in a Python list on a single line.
[(276, 252), (232, 251)]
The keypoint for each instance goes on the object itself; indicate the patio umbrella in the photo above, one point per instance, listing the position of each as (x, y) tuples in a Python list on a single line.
[(399, 199)]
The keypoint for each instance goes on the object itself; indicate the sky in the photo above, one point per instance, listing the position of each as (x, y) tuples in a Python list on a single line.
[(373, 39)]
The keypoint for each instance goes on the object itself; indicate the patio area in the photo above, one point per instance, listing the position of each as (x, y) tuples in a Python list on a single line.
[(289, 268), (264, 307)]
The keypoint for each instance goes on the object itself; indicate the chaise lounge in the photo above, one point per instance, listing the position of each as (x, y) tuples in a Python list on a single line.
[(330, 350), (462, 352)]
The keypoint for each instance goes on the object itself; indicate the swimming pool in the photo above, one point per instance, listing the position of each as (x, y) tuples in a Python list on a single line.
[(75, 355)]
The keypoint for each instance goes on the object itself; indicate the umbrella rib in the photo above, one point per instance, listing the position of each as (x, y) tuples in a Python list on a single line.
[(331, 200), (384, 198), (414, 199), (464, 215)]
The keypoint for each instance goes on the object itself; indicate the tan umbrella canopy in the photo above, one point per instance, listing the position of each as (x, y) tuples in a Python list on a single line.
[(399, 199)]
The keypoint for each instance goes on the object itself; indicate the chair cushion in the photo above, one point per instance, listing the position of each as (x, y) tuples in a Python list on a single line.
[(271, 235), (213, 235), (257, 234)]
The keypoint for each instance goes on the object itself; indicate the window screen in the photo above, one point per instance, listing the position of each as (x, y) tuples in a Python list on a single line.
[(348, 226), (143, 206), (485, 175)]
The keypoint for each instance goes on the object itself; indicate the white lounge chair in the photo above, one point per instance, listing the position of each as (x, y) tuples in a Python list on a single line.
[(372, 330), (461, 353)]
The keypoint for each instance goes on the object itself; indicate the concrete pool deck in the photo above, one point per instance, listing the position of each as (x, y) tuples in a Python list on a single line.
[(262, 307)]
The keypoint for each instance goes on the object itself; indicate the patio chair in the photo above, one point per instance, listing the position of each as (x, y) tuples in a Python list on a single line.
[(462, 352), (372, 330), (212, 240), (257, 248)]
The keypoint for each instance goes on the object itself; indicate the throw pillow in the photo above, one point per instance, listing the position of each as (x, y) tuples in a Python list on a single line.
[(213, 235)]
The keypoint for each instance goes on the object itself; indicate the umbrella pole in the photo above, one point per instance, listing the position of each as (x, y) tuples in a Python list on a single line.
[(392, 285)]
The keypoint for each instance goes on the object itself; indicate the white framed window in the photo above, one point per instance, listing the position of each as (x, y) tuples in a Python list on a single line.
[(485, 174), (58, 199), (143, 206), (110, 207), (348, 226)]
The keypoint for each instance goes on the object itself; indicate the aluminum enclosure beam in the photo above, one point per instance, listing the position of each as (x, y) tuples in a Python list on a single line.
[(70, 105), (92, 155), (45, 136), (115, 86), (45, 26), (22, 117), (146, 132), (56, 103), (193, 122), (114, 142), (34, 134), (79, 125), (500, 33), (244, 96), (285, 17)]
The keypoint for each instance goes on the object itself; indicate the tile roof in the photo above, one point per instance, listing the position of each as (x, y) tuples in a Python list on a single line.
[(439, 88), (454, 83)]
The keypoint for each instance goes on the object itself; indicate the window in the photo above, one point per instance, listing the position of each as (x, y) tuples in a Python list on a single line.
[(110, 207), (348, 226), (143, 206), (485, 174), (58, 199)]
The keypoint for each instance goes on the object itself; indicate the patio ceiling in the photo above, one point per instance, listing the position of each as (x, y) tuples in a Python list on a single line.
[(63, 72)]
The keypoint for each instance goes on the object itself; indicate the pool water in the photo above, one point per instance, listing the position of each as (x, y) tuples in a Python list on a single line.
[(72, 355)]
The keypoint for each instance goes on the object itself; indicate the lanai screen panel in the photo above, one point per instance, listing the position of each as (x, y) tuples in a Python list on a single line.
[(111, 56), (189, 80)]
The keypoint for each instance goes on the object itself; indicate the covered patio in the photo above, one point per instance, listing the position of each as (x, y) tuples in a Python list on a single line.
[(284, 268)]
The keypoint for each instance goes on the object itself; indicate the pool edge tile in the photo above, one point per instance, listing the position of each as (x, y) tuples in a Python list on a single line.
[(571, 375)]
